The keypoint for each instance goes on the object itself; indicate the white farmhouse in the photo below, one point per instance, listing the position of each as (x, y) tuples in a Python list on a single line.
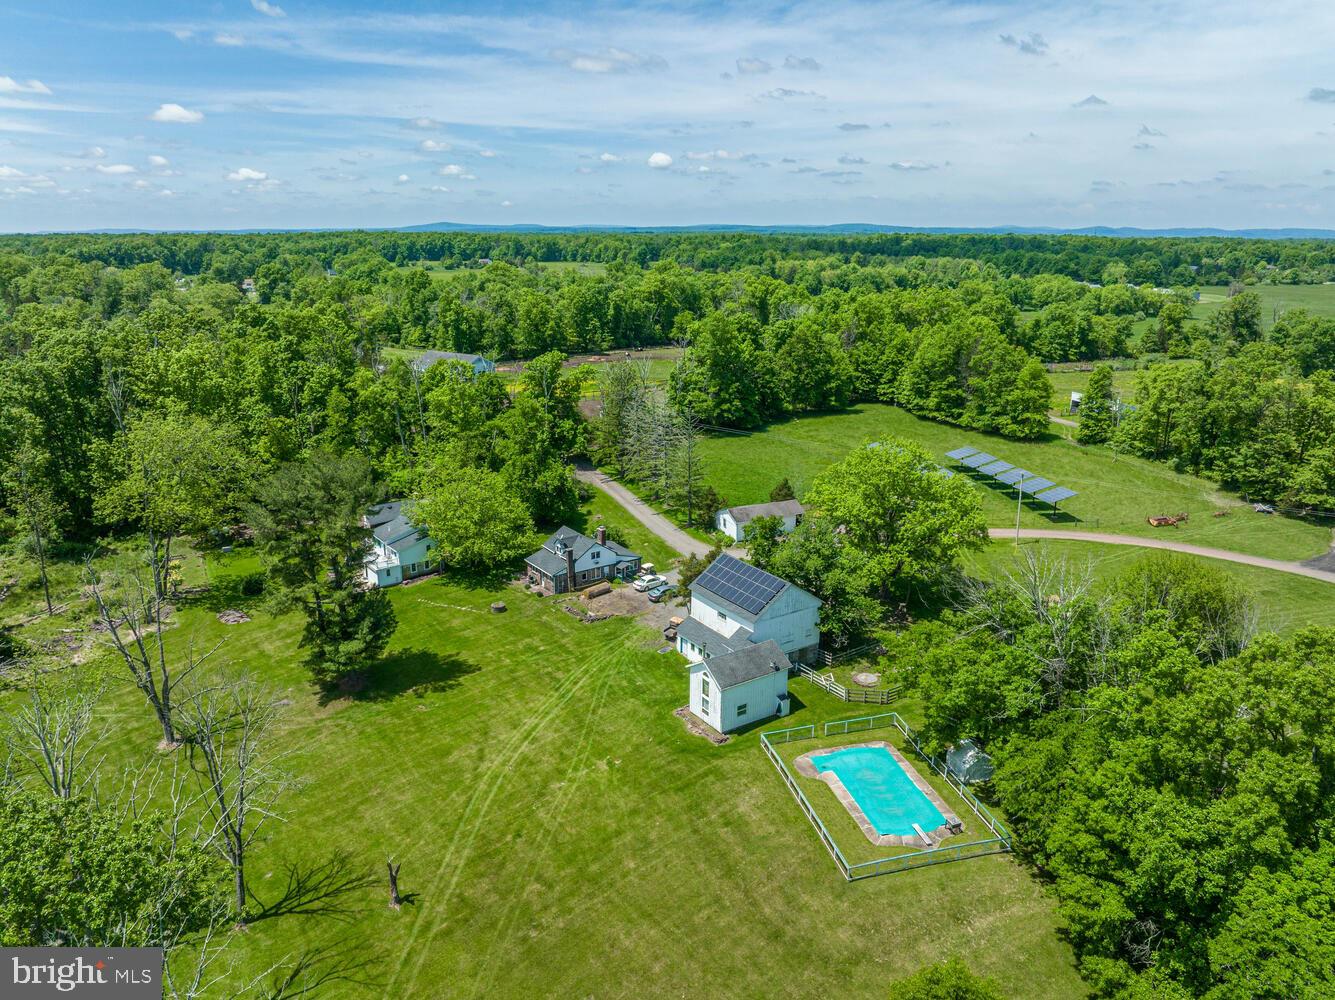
[(733, 521), (735, 604), (399, 549), (742, 687)]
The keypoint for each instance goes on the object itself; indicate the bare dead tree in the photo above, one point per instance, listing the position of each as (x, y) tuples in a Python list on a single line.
[(226, 728), (395, 900), (131, 614), (54, 734)]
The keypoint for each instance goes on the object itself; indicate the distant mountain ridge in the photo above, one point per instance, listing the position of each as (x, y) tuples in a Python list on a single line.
[(837, 229)]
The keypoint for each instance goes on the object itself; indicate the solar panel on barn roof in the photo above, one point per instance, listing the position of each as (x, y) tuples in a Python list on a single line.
[(739, 583)]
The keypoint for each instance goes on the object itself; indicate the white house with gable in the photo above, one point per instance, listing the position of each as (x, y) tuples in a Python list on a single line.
[(735, 604), (400, 550), (742, 687)]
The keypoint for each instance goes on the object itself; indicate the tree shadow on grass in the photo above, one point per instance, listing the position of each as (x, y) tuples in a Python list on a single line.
[(494, 578), (415, 671), (324, 889)]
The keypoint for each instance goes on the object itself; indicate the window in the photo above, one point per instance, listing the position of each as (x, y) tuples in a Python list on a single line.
[(741, 710), (722, 616), (597, 553), (704, 706), (704, 685)]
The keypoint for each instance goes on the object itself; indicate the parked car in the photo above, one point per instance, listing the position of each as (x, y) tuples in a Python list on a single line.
[(661, 593), (649, 582)]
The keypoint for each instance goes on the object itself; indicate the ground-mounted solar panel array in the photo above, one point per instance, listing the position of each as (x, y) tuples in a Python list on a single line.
[(1024, 482), (740, 583)]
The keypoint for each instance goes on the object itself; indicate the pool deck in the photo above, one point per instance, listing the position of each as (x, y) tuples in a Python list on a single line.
[(951, 827)]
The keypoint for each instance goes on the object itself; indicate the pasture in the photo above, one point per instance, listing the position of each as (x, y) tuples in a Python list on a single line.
[(1319, 300), (1117, 492)]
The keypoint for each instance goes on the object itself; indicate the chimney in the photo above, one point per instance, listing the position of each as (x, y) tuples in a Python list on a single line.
[(602, 534), (570, 568)]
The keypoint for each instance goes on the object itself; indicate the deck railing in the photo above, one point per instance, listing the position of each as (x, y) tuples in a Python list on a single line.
[(861, 696)]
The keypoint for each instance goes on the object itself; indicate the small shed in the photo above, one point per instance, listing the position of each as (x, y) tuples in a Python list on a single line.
[(969, 763)]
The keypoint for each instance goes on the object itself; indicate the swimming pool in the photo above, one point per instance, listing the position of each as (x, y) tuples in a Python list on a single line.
[(880, 787)]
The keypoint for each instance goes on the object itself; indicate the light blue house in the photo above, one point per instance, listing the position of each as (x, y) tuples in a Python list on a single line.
[(477, 362), (399, 549)]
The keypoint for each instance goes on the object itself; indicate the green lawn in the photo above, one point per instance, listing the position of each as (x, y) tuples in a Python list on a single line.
[(562, 835), (1117, 492), (1284, 602), (1066, 382)]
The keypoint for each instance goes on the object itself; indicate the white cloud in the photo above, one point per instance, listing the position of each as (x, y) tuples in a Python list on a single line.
[(455, 170), (488, 154), (786, 93), (402, 179), (229, 39), (271, 9), (1033, 45), (176, 113), (432, 146), (715, 154), (423, 122), (10, 173), (753, 66), (610, 158), (158, 161), (611, 60), (439, 189), (93, 153), (912, 165), (8, 85), (506, 204), (247, 174), (660, 161), (114, 168), (801, 62)]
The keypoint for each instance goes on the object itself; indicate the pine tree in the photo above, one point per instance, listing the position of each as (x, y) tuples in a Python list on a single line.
[(1096, 408)]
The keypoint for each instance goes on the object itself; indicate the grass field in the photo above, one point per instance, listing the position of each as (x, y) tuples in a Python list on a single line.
[(1284, 602), (1316, 299), (561, 834), (1117, 492)]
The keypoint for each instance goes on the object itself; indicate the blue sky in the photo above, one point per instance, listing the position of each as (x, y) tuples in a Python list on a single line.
[(246, 113)]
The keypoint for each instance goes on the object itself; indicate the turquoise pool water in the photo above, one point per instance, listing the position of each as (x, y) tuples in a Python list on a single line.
[(886, 795)]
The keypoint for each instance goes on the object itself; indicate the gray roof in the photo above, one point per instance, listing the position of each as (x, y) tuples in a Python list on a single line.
[(428, 358), (704, 637), (746, 664), (776, 508), (551, 557), (389, 524)]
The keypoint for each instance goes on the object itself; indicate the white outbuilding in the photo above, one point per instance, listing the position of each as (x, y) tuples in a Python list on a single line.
[(733, 521), (742, 687)]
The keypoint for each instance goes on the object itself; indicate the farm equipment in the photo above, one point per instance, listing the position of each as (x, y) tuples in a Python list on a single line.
[(1168, 520)]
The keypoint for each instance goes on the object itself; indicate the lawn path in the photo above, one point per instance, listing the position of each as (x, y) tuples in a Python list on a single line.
[(672, 536), (473, 820), (1297, 568), (551, 821)]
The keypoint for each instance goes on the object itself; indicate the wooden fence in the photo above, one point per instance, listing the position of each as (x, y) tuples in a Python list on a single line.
[(860, 696)]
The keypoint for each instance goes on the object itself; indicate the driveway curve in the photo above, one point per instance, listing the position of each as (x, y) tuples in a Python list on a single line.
[(673, 536), (1298, 569)]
